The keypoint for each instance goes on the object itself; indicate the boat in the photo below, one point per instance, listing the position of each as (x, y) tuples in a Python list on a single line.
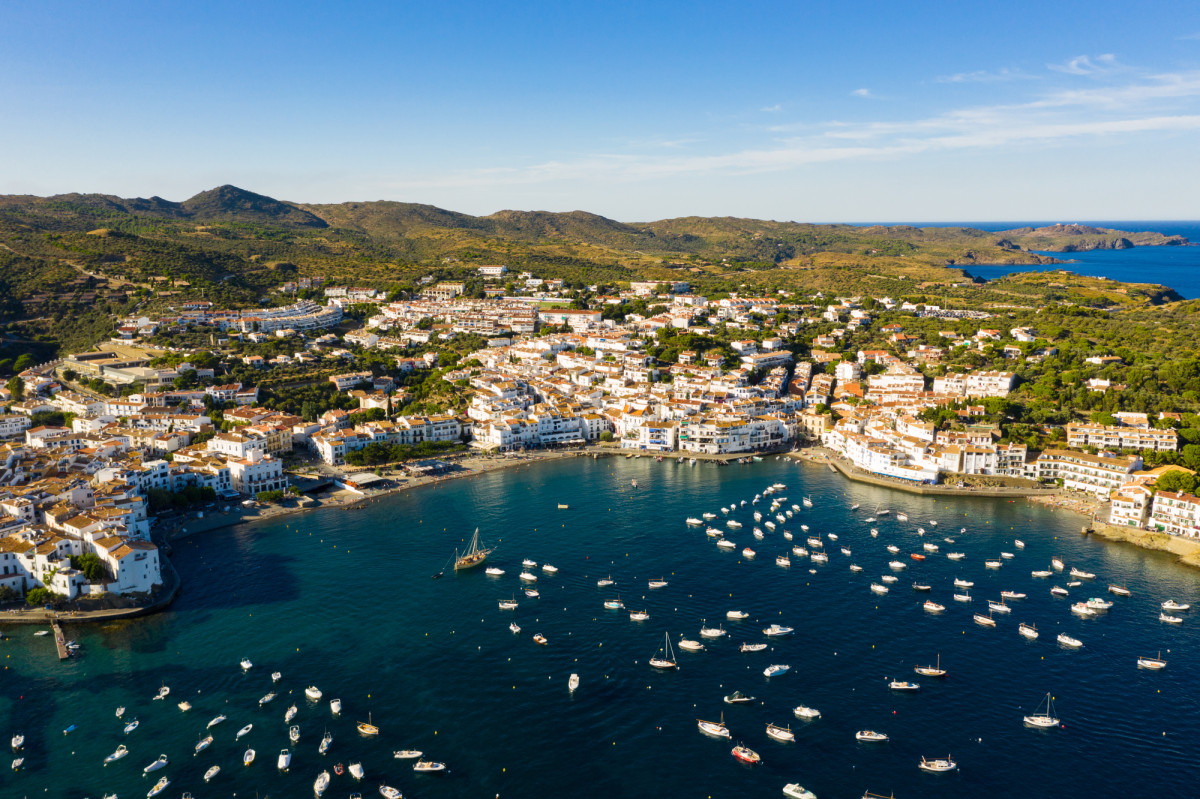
[(938, 765), (999, 607), (800, 552), (758, 534), (313, 693), (694, 521), (783, 560), (924, 587), (984, 621), (711, 532), (17, 763), (870, 736), (290, 714), (18, 741), (639, 615), (879, 589), (777, 670), (614, 604), (161, 762), (805, 712), (780, 733), (898, 565), (162, 692), (917, 556), (961, 583), (203, 744), (659, 583), (1007, 555), (1043, 719), (276, 676), (604, 581), (807, 502), (120, 752), (1057, 563), (962, 597), (42, 632), (294, 733), (389, 792), (904, 685), (548, 569), (1074, 584), (120, 711), (769, 525), (356, 771), (819, 557), (920, 531), (933, 607), (1081, 609), (778, 629), (930, 547), (854, 567), (956, 555), (874, 532), (1119, 590), (752, 647), (186, 706), (335, 707), (338, 769), (890, 578), (216, 720), (367, 727), (407, 754), (1041, 573), (573, 683), (244, 731), (130, 727), (733, 524), (746, 754), (992, 564), (528, 577), (321, 783), (158, 788), (1012, 595), (1059, 591), (931, 671), (1081, 574), (738, 698), (1019, 544), (725, 543), (1068, 641), (690, 645), (514, 628), (1169, 619), (816, 543), (326, 742), (1172, 605), (284, 760), (893, 548), (1154, 663), (1096, 603), (266, 699), (846, 551), (246, 664), (494, 571), (540, 639), (212, 772), (736, 614), (748, 553), (474, 555), (795, 790), (427, 766), (712, 632), (710, 516), (716, 729), (1028, 630)]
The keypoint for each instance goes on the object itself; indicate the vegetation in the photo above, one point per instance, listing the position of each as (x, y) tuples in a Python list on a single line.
[(91, 566), (377, 453), (269, 496), (189, 497)]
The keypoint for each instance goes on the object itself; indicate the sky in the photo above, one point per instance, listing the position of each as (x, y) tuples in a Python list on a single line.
[(809, 111)]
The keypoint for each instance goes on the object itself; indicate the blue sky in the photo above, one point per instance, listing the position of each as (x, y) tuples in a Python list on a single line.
[(812, 111)]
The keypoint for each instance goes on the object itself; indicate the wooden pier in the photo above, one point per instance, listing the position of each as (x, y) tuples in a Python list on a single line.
[(60, 640)]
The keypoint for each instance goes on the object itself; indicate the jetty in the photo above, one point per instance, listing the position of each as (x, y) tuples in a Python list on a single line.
[(60, 639)]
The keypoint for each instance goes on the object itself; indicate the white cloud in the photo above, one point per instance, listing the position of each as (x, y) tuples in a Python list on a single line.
[(1084, 65), (861, 93), (772, 109), (984, 76)]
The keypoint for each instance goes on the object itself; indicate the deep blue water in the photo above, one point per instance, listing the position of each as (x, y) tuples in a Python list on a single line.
[(342, 599)]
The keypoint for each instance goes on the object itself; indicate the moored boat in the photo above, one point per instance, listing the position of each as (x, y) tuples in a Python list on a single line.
[(805, 712), (780, 733), (776, 670), (752, 647), (1028, 630), (870, 736), (746, 754), (158, 788), (778, 629), (937, 765), (715, 729), (738, 698), (794, 790), (474, 556), (1068, 641), (1043, 719), (120, 752), (428, 766), (212, 772), (1152, 663)]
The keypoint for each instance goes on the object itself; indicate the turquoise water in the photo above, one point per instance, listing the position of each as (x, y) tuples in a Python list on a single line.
[(343, 599)]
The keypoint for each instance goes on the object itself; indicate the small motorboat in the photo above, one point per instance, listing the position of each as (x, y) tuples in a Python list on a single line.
[(752, 647), (1096, 603), (870, 736), (1081, 609), (356, 771), (659, 583), (917, 556), (1019, 544), (736, 614), (1057, 563), (712, 632), (335, 707), (780, 733), (1028, 630), (407, 754), (805, 712), (930, 547), (289, 715), (540, 639), (738, 698), (937, 766), (313, 693), (961, 583), (548, 569), (1068, 641), (389, 792), (493, 571), (933, 607), (1012, 595), (898, 565), (1172, 605), (1042, 573), (130, 727), (1074, 584), (528, 577), (746, 754), (1058, 590), (212, 772), (294, 733), (879, 589), (117, 755), (690, 645), (573, 683), (246, 664), (203, 744), (284, 760), (889, 579), (1169, 619), (614, 604), (158, 788), (428, 766), (17, 742), (777, 670), (904, 685), (17, 763), (276, 676), (186, 706), (162, 692), (528, 563), (962, 597), (992, 564), (326, 742), (161, 762), (1007, 555), (1154, 663), (321, 783), (923, 587), (694, 521), (795, 790), (639, 615), (956, 555), (854, 567), (248, 757), (778, 629), (217, 720), (244, 731), (265, 700), (1081, 574), (532, 593), (1119, 590), (120, 711)]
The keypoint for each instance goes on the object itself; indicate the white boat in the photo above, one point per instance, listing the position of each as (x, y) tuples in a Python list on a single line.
[(816, 543), (1043, 719), (776, 670), (833, 537), (819, 557), (212, 772), (846, 551), (407, 754), (203, 744), (854, 567), (799, 551), (276, 676), (769, 525), (758, 534), (42, 632), (185, 706), (1057, 564), (795, 790), (321, 783), (902, 516), (265, 700), (131, 726), (1097, 603), (710, 516), (778, 629), (284, 760), (748, 553), (1172, 605), (806, 502), (117, 755), (870, 736), (931, 671), (879, 589), (904, 685), (428, 766), (783, 560), (1042, 573), (216, 720), (639, 615), (313, 693), (614, 604), (1007, 555), (984, 621), (713, 532), (758, 516), (665, 657), (161, 762), (1019, 544), (1028, 630), (604, 582), (694, 521), (573, 682), (289, 714), (920, 531), (18, 741), (508, 604), (162, 692), (752, 647), (897, 565), (1074, 584), (930, 547), (889, 578), (1059, 591), (244, 731), (17, 763), (356, 770), (389, 792), (725, 543), (780, 733), (1068, 641), (1154, 663), (548, 569), (992, 564), (1119, 590), (494, 571), (733, 524), (893, 548), (529, 563), (736, 614), (1169, 619), (690, 645), (999, 607), (956, 555), (246, 664), (659, 583), (933, 607), (158, 788), (515, 628), (294, 733), (805, 712), (962, 597), (326, 741), (961, 583), (938, 765), (1012, 595), (120, 711), (1081, 574), (1081, 609), (528, 577), (715, 729)]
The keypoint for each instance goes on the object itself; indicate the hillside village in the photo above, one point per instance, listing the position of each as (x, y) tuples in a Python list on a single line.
[(206, 406)]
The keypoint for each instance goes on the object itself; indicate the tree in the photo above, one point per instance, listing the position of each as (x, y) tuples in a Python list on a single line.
[(606, 435), (38, 596), (1176, 481), (24, 362), (68, 374), (1191, 456), (269, 496), (17, 387), (9, 594), (91, 566)]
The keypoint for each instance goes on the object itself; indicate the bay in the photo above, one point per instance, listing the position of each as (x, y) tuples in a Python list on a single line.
[(342, 599)]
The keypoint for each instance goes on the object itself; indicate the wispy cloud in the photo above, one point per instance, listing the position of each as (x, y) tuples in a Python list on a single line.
[(986, 76), (861, 93), (772, 109), (1190, 36), (1084, 65)]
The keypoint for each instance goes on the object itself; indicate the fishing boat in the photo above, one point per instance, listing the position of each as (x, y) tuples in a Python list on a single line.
[(514, 628), (778, 629), (407, 754), (604, 581), (736, 614), (212, 772), (367, 727), (202, 744), (819, 557), (158, 788), (1068, 641), (131, 726), (216, 720), (783, 560), (1154, 663), (1169, 619), (716, 729), (800, 552), (1043, 719), (614, 604), (931, 671), (284, 760), (738, 698), (474, 555), (690, 645), (389, 792), (639, 615), (937, 766), (777, 670), (1172, 605), (356, 771), (659, 583), (539, 639), (746, 754), (933, 607), (999, 607), (265, 700), (246, 664), (870, 736), (806, 713), (752, 647), (429, 766), (321, 783), (117, 755), (494, 571), (161, 762), (508, 604), (326, 742), (879, 589), (1028, 630), (984, 621), (780, 733), (294, 733), (313, 693), (795, 790)]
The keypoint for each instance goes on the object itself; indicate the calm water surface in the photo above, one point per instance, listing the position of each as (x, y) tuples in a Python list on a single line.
[(343, 599)]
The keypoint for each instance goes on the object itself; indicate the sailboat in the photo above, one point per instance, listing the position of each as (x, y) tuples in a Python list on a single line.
[(931, 671), (474, 555), (667, 661), (716, 729), (1043, 719), (367, 728)]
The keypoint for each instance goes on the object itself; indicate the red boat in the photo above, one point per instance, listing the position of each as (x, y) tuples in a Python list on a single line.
[(338, 769), (917, 556), (746, 754)]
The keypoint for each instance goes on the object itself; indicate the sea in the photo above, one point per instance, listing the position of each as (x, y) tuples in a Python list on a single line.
[(343, 600), (1176, 267)]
